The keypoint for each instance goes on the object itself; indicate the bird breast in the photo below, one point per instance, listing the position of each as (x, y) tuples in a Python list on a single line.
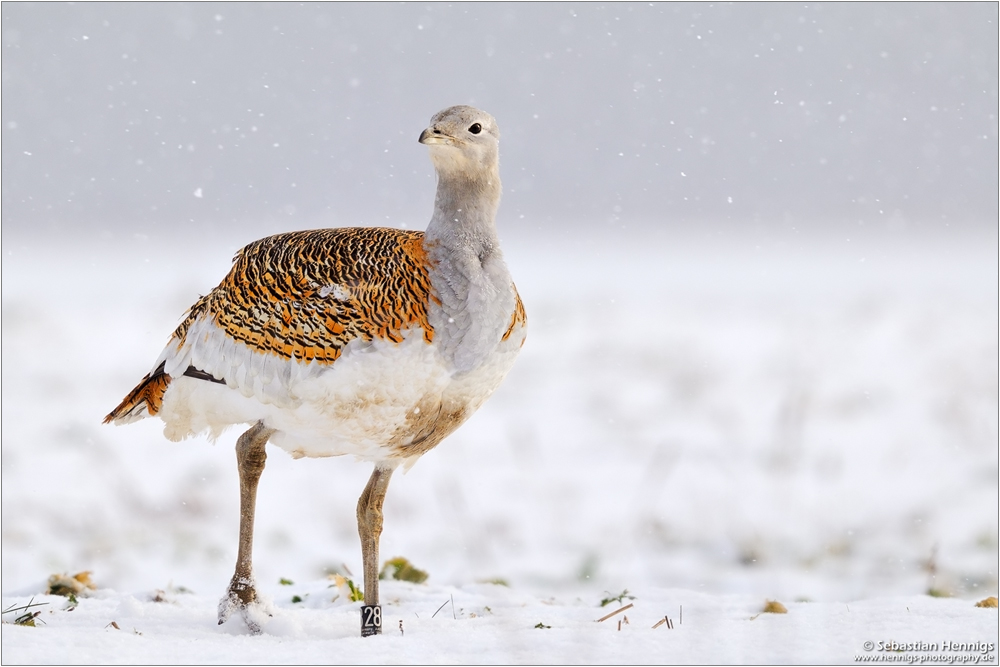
[(477, 298)]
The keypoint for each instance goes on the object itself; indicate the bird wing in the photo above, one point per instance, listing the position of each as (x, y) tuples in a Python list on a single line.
[(290, 305)]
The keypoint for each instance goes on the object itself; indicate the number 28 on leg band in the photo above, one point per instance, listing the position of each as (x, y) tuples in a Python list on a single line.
[(371, 620)]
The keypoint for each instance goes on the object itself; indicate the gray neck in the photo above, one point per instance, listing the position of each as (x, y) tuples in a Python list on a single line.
[(464, 213), (468, 272)]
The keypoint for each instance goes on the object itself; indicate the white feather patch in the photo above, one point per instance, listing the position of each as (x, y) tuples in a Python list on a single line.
[(355, 406)]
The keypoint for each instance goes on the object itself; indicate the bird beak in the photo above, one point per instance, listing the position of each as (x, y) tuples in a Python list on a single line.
[(430, 136)]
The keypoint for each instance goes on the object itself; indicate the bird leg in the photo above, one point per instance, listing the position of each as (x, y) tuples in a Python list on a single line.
[(250, 457), (370, 528)]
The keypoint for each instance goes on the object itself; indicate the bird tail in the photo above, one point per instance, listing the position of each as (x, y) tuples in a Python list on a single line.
[(143, 401)]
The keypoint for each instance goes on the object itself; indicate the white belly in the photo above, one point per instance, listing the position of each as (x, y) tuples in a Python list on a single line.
[(379, 401)]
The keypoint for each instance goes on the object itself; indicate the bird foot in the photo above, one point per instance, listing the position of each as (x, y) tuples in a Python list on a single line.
[(242, 597)]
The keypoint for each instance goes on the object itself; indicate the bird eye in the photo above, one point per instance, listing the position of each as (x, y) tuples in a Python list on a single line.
[(476, 128)]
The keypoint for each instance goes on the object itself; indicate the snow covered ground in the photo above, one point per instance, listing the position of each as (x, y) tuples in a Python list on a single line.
[(707, 420), (493, 624)]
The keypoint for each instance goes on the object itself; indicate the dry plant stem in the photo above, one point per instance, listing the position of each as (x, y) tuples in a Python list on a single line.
[(439, 609), (616, 611), (370, 528), (250, 457)]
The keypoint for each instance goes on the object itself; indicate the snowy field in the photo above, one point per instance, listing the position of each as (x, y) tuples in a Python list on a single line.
[(708, 420)]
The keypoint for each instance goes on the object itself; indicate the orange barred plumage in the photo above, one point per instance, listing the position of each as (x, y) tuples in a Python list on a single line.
[(518, 319), (274, 301), (147, 394)]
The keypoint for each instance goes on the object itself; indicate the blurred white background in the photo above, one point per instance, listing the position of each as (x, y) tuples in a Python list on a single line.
[(757, 245)]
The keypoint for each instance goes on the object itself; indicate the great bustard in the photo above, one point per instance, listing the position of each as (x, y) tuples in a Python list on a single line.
[(372, 342)]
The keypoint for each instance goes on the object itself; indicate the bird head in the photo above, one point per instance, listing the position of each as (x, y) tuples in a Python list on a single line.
[(463, 140)]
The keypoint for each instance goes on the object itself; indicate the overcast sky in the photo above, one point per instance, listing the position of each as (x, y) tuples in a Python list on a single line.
[(144, 116)]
